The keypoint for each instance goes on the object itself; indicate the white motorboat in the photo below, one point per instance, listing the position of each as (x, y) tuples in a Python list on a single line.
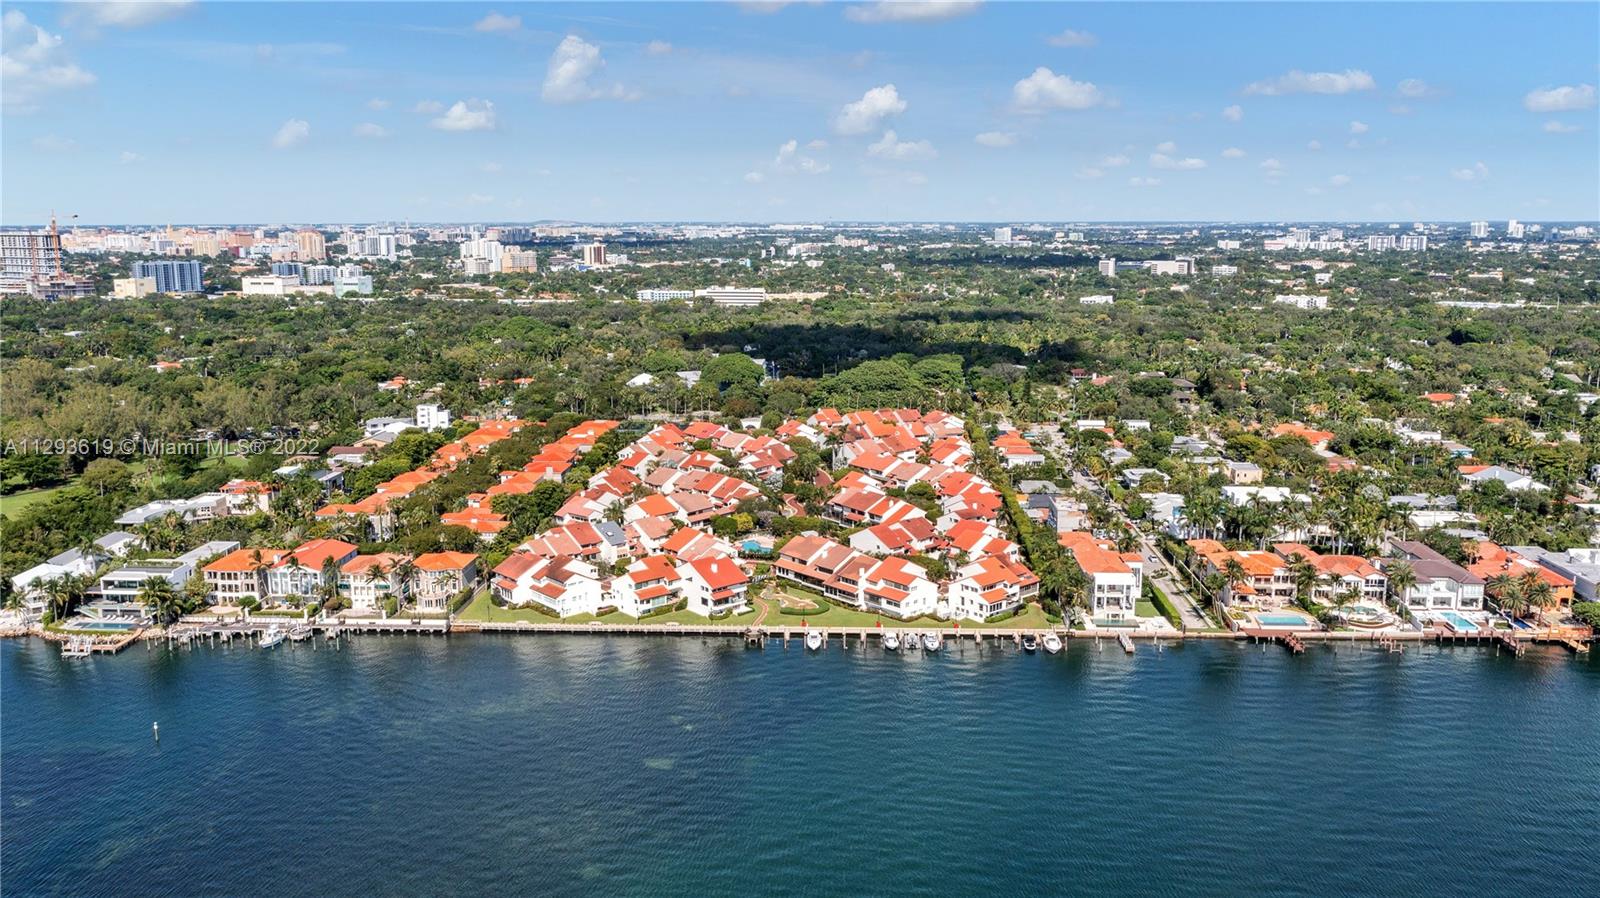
[(814, 641), (891, 642), (1030, 643), (1051, 643), (271, 637), (299, 632), (910, 641), (932, 642)]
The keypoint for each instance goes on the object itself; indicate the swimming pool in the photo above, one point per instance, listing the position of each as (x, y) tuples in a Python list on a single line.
[(1457, 622), (1281, 620), (107, 626)]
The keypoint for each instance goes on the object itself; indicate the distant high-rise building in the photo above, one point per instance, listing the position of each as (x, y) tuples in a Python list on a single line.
[(289, 269), (1415, 243), (1514, 229), (1380, 242), (310, 246), (1480, 230), (1108, 268), (519, 261), (1002, 236), (594, 254), (171, 276)]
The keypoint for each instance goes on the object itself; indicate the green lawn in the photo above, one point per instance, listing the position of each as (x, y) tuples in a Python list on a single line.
[(14, 503), (481, 609)]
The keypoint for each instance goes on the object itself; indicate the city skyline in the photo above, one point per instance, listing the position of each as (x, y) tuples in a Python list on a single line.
[(798, 112)]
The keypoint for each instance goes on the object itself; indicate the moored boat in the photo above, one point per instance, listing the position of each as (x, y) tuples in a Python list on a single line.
[(891, 641), (271, 636), (299, 632), (1052, 643), (932, 641), (814, 641), (1030, 643)]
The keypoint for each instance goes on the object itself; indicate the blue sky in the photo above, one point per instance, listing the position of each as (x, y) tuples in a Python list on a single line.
[(269, 112)]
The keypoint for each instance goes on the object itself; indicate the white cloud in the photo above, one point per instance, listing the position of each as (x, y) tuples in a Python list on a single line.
[(129, 157), (754, 177), (1166, 146), (1272, 168), (466, 115), (658, 48), (1143, 182), (790, 159), (817, 144), (1558, 127), (1233, 113), (996, 138), (1045, 90), (1162, 160), (494, 21), (377, 104), (1560, 99), (1339, 180), (572, 64), (920, 11), (1233, 153), (1298, 82), (1071, 38), (1313, 145), (1116, 161), (1477, 172), (865, 114), (1089, 173), (1359, 128), (33, 64), (372, 130), (1414, 89), (119, 14), (291, 133), (890, 146), (428, 107)]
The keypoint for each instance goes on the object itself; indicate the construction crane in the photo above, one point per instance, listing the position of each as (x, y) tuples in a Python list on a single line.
[(55, 239)]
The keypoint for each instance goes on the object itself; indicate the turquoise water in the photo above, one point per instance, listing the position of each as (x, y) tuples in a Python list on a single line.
[(1459, 623), (1282, 620), (675, 766)]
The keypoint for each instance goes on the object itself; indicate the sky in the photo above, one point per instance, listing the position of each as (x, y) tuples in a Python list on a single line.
[(187, 112)]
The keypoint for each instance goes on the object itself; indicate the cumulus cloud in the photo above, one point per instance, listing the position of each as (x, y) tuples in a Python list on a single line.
[(291, 133), (1089, 173), (1071, 38), (865, 114), (118, 14), (1272, 168), (1339, 180), (494, 21), (1166, 146), (34, 64), (1568, 98), (466, 115), (658, 48), (377, 104), (1044, 90), (1298, 82), (996, 138), (1477, 172), (129, 157), (1233, 153), (1163, 161), (919, 11), (371, 130), (1233, 113), (1359, 128), (754, 177), (573, 63), (1137, 181), (1313, 145), (1115, 161), (428, 107), (1558, 127), (890, 146), (790, 159)]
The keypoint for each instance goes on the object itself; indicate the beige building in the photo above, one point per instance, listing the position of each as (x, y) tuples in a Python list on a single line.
[(132, 288), (311, 246)]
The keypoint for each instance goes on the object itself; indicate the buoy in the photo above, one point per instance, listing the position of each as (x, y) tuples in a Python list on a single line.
[(155, 730)]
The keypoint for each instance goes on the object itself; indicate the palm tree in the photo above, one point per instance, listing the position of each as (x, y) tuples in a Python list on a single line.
[(330, 580), (63, 593), (1342, 598), (1233, 574), (1306, 577), (164, 602), (1537, 593), (1402, 578)]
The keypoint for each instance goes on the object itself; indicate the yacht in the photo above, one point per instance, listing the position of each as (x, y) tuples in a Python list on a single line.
[(814, 641), (891, 641), (300, 632), (1052, 643), (271, 637)]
